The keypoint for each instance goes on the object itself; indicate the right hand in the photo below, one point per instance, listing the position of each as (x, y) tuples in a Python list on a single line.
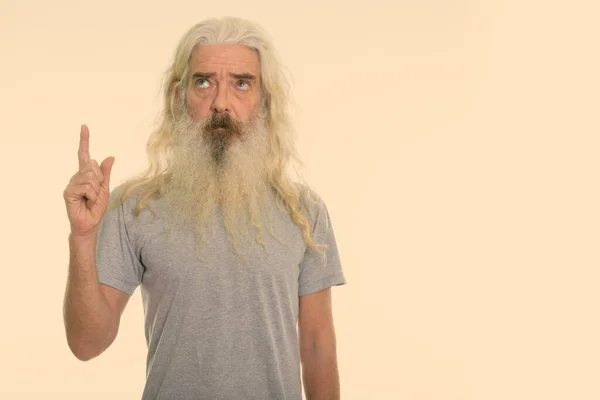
[(86, 196)]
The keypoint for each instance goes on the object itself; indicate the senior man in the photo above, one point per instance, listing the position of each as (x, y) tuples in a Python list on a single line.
[(234, 259)]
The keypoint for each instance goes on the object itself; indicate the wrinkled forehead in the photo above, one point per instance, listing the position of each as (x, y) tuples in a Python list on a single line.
[(223, 59)]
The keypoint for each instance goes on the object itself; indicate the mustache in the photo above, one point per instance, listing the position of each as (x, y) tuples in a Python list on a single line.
[(223, 121)]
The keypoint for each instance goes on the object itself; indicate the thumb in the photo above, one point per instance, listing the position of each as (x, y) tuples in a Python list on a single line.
[(106, 168)]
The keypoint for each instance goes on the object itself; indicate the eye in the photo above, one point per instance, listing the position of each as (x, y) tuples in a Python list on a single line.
[(200, 81), (244, 83)]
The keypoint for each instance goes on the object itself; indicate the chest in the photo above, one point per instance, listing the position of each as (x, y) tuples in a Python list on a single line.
[(174, 261)]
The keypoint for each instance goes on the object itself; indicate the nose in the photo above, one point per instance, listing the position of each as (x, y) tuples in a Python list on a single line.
[(221, 101)]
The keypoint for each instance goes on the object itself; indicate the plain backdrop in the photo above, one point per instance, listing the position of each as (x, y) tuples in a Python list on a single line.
[(455, 143)]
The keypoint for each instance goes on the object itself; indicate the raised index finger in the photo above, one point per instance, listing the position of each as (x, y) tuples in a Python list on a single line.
[(84, 146)]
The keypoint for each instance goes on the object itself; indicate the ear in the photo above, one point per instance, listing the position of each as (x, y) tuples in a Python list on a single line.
[(179, 91), (178, 97), (265, 100)]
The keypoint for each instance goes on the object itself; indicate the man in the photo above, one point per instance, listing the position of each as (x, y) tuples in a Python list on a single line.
[(235, 261)]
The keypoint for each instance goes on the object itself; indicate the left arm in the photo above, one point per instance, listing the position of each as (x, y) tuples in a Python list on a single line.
[(318, 346)]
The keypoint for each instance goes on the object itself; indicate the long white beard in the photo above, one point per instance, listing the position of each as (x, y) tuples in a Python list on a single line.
[(209, 172)]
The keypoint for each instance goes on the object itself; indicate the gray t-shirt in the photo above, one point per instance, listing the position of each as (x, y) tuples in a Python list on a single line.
[(217, 328)]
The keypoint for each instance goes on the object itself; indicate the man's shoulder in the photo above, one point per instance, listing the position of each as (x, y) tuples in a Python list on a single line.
[(311, 201), (120, 198), (128, 198), (308, 194)]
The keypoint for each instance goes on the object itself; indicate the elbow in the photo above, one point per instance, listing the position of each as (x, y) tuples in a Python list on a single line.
[(83, 356), (85, 350)]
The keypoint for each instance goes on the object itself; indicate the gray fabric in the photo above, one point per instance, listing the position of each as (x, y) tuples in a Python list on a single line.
[(217, 329)]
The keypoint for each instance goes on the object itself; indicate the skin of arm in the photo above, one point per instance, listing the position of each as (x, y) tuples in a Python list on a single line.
[(318, 347), (91, 310)]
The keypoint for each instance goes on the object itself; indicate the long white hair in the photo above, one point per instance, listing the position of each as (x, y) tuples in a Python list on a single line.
[(293, 195)]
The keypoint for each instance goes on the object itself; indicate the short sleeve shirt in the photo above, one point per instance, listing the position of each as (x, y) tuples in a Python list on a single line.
[(217, 328)]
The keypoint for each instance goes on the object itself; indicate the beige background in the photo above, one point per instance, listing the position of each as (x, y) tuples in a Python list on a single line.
[(455, 142)]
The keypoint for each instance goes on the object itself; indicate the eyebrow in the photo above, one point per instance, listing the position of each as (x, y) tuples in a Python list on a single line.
[(243, 75)]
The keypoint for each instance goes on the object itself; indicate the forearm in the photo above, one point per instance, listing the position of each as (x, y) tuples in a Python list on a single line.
[(320, 372), (87, 316)]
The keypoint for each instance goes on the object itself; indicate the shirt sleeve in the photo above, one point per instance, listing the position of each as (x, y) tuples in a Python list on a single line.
[(116, 262), (318, 272)]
